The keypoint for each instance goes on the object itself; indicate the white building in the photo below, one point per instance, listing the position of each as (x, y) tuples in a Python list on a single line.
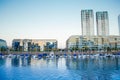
[(95, 42), (34, 44), (87, 22), (102, 23)]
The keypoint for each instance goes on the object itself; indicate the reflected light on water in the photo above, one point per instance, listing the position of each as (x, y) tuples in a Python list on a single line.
[(60, 68)]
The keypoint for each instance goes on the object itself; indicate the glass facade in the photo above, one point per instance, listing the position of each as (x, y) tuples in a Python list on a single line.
[(87, 22), (102, 23), (3, 45), (34, 44), (16, 46)]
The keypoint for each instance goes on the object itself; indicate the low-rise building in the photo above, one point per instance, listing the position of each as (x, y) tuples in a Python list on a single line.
[(93, 42), (34, 44), (3, 45)]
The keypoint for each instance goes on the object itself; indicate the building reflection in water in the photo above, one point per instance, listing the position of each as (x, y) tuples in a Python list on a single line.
[(66, 63), (25, 61), (15, 61), (2, 61), (53, 63), (117, 63), (86, 69), (92, 69)]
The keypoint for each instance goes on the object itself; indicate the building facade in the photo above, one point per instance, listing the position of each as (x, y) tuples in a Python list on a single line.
[(102, 23), (96, 42), (3, 45), (87, 22), (34, 44), (119, 24)]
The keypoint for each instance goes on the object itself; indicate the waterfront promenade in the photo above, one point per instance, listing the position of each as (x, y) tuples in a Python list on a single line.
[(64, 52)]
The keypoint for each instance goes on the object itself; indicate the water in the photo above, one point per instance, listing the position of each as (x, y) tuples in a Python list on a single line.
[(60, 69)]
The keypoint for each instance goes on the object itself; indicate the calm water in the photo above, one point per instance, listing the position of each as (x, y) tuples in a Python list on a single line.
[(60, 69)]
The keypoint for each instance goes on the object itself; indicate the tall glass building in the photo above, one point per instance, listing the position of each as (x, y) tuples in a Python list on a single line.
[(102, 22), (87, 22), (119, 23)]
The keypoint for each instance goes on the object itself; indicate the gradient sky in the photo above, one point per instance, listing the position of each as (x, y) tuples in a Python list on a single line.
[(46, 19)]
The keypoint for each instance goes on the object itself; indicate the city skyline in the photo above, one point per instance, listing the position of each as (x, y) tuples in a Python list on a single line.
[(51, 19)]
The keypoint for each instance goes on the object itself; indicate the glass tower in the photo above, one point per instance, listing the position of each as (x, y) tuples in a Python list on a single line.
[(87, 22), (119, 23), (102, 22)]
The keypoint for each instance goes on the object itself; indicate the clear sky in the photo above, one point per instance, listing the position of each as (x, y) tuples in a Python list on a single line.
[(46, 19)]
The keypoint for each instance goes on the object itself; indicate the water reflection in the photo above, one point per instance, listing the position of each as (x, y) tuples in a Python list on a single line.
[(74, 64), (117, 63), (94, 69), (15, 61), (26, 61), (85, 69), (23, 61), (2, 61), (89, 64)]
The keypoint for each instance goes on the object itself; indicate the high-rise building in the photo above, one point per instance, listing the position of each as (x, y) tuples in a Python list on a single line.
[(102, 22), (119, 23), (87, 22)]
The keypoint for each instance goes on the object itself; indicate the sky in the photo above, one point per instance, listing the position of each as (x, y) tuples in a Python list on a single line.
[(51, 19)]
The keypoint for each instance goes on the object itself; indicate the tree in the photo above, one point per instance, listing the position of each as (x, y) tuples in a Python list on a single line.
[(3, 49), (108, 49)]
